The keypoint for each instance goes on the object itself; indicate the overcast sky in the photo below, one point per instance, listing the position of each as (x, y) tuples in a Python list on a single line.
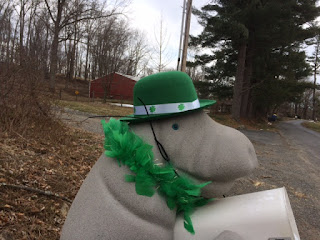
[(145, 16)]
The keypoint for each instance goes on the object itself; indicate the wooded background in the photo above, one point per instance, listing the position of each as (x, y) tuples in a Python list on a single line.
[(251, 52), (257, 48)]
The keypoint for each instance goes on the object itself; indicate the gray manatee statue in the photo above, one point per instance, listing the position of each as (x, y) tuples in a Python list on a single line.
[(117, 201)]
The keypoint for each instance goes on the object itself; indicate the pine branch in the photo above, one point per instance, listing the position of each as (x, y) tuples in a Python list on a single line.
[(39, 191)]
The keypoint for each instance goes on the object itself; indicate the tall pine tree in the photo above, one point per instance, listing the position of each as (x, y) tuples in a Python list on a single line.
[(258, 43)]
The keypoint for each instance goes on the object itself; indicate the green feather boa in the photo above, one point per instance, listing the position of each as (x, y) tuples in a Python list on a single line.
[(130, 150)]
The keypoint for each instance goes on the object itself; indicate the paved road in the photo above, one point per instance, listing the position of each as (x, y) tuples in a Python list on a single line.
[(303, 137), (289, 157)]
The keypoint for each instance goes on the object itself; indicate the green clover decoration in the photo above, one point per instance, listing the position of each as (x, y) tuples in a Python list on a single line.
[(152, 109), (181, 107)]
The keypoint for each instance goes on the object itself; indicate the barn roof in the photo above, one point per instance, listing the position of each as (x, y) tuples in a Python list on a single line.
[(128, 76)]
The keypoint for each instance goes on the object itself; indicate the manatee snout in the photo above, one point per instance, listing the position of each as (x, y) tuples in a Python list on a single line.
[(203, 149)]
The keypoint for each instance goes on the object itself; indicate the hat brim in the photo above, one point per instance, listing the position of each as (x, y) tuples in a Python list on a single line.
[(143, 118)]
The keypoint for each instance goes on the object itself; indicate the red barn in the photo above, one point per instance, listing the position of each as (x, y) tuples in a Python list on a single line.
[(115, 85)]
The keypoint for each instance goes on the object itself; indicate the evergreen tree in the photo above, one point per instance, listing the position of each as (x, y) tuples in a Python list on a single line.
[(256, 43)]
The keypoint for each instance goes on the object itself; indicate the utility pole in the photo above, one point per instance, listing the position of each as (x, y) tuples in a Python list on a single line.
[(186, 37), (181, 33)]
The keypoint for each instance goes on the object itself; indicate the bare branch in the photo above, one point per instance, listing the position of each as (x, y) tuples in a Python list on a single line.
[(49, 10), (39, 191), (88, 18)]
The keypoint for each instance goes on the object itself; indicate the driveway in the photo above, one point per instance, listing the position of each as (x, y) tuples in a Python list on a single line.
[(302, 137), (289, 157)]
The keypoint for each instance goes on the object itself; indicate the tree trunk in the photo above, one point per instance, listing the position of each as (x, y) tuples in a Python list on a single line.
[(46, 55), (237, 88), (305, 111), (28, 43), (87, 58), (54, 48), (314, 103), (246, 86), (295, 109), (314, 89), (72, 60), (68, 51), (53, 62), (21, 50), (8, 43), (73, 54), (14, 43)]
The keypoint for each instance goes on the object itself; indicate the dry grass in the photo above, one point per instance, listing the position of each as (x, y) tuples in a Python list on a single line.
[(58, 166), (25, 107), (37, 151), (315, 126), (98, 108), (227, 120)]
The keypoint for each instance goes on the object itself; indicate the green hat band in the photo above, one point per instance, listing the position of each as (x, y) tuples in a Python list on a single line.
[(167, 108)]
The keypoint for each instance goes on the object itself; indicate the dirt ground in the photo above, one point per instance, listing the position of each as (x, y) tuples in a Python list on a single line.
[(39, 179)]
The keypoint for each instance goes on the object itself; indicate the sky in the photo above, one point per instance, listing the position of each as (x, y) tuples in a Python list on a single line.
[(145, 15)]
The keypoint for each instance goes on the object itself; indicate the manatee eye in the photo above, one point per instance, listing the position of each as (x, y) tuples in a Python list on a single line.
[(175, 126)]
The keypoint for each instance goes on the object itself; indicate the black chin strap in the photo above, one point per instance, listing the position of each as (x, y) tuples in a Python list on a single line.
[(159, 145)]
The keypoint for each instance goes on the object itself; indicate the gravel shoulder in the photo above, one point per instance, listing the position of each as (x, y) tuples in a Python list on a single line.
[(283, 161)]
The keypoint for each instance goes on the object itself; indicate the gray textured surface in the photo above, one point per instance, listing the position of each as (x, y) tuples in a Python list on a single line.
[(107, 207), (204, 149)]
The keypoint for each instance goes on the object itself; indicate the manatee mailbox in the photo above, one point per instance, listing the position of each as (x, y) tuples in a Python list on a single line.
[(168, 157)]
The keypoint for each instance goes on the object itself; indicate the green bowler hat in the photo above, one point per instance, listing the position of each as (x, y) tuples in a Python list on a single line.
[(164, 95)]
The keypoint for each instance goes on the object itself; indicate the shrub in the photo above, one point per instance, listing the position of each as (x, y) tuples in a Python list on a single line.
[(25, 103)]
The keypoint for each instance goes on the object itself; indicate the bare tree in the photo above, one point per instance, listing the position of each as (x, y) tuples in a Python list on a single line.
[(6, 27), (77, 38), (306, 102), (109, 50), (67, 13), (160, 55), (90, 32), (138, 50)]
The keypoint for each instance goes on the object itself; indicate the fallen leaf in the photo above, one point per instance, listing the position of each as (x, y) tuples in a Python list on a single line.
[(34, 210), (20, 215), (64, 209), (300, 195), (257, 183), (37, 221)]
